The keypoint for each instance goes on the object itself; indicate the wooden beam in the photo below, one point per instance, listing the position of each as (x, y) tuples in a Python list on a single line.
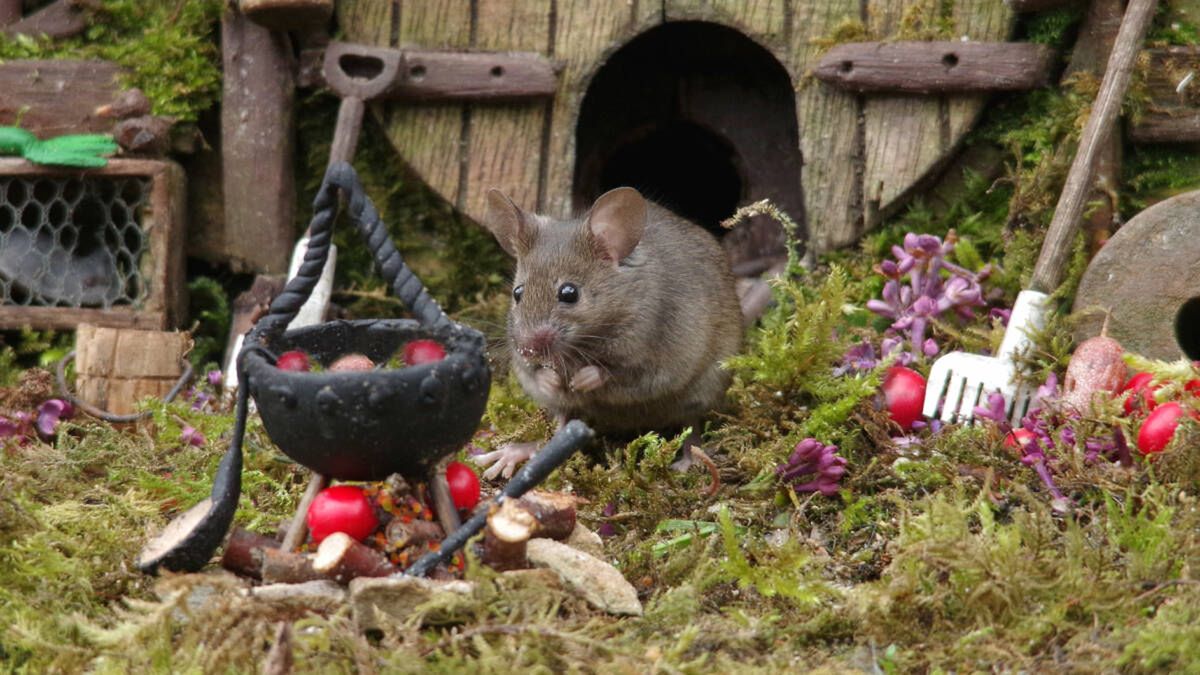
[(436, 76), (61, 19), (257, 145), (936, 67), (53, 97), (10, 11), (1173, 81)]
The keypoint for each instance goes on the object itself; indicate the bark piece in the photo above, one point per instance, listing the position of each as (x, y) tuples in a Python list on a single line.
[(583, 539), (129, 103), (321, 596), (554, 512), (342, 559), (416, 533), (145, 135), (287, 15)]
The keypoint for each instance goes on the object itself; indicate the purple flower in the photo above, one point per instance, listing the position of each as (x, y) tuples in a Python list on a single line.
[(815, 463), (928, 293), (858, 358), (1000, 313), (199, 398), (8, 428), (993, 410), (192, 436), (606, 528), (49, 413), (214, 378)]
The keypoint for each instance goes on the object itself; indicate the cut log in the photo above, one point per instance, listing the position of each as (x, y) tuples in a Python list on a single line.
[(240, 557), (61, 19), (277, 566), (257, 144), (341, 558), (553, 511), (509, 529), (401, 535), (129, 103), (936, 67)]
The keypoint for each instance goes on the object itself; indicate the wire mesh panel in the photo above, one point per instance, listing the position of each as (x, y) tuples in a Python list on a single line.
[(72, 241), (101, 246)]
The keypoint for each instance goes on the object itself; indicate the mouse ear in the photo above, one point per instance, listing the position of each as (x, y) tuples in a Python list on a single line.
[(617, 221), (511, 226)]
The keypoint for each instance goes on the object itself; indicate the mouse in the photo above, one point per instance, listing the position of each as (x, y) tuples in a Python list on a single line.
[(620, 317)]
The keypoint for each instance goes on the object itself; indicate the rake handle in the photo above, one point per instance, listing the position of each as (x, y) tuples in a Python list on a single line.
[(1056, 248)]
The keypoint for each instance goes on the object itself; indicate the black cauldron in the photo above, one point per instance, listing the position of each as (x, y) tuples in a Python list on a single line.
[(368, 425), (365, 425)]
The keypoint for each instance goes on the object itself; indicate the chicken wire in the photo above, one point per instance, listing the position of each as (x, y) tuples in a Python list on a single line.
[(72, 241)]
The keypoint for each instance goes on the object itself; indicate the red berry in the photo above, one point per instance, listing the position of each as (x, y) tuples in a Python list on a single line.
[(464, 485), (904, 395), (341, 508), (1159, 428), (1140, 396), (423, 351), (295, 361), (352, 363), (1019, 438)]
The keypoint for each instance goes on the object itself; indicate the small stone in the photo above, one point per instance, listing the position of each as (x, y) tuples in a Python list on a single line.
[(596, 581), (321, 597), (377, 602), (583, 539)]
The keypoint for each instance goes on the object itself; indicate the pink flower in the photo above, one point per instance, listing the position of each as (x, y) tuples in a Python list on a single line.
[(192, 436), (49, 414)]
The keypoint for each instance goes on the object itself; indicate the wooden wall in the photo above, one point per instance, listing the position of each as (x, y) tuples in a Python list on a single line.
[(863, 154)]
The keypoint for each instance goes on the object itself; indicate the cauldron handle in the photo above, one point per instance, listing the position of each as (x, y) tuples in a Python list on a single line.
[(406, 286)]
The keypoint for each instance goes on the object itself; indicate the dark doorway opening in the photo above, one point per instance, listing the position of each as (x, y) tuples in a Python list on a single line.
[(701, 119)]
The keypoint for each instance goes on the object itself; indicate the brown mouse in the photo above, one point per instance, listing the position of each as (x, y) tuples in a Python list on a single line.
[(620, 318)]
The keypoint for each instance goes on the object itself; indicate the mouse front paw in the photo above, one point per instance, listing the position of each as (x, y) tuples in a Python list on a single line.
[(505, 460), (548, 382), (587, 378)]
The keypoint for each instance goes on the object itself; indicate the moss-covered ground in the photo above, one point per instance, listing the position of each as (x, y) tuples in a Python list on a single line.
[(941, 551)]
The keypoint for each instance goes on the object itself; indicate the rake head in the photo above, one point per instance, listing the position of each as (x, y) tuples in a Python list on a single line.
[(958, 382)]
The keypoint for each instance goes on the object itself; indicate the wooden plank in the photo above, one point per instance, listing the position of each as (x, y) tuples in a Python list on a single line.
[(764, 21), (1173, 115), (909, 138), (936, 67), (51, 98), (830, 138), (1030, 6), (257, 142), (10, 11), (505, 141), (68, 318), (429, 137), (585, 33)]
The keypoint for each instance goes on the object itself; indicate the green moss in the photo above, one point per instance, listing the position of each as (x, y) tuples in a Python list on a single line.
[(168, 49)]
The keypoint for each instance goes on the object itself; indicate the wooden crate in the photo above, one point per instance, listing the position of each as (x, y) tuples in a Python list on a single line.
[(153, 294)]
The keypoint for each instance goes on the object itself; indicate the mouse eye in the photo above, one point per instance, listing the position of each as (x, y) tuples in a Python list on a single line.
[(568, 293), (518, 292)]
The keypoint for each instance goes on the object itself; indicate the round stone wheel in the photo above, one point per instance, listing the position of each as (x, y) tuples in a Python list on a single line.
[(1144, 275)]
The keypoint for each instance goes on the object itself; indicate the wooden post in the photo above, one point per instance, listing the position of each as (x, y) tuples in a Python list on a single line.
[(257, 141)]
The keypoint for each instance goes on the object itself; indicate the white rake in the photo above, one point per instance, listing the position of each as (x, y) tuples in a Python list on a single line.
[(958, 382)]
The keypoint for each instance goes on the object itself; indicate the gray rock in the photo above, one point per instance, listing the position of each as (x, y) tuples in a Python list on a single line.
[(377, 602), (321, 597), (585, 540), (597, 582), (1145, 272)]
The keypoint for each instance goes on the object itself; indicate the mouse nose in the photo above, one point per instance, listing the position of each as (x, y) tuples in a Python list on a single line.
[(539, 342)]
